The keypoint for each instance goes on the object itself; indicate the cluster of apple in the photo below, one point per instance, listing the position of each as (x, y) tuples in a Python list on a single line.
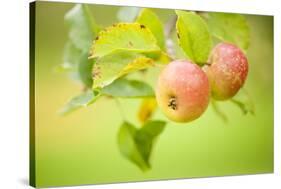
[(184, 89)]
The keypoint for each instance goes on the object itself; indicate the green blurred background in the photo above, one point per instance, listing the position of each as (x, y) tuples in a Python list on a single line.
[(81, 148)]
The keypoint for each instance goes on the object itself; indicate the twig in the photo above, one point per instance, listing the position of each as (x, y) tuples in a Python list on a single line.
[(118, 104), (169, 26), (168, 30)]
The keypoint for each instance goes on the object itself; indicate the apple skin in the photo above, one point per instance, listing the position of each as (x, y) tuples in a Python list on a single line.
[(182, 91), (227, 72)]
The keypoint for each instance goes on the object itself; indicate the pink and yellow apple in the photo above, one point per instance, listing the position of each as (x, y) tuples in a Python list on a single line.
[(182, 91), (227, 72)]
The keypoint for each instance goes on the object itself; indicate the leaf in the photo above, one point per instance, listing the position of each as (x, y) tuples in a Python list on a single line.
[(164, 58), (137, 144), (128, 89), (71, 57), (128, 147), (146, 110), (218, 111), (149, 19), (83, 28), (146, 135), (153, 128), (120, 88), (230, 27), (127, 37), (243, 100), (77, 63), (144, 145), (79, 101), (85, 68), (127, 14), (194, 37), (117, 64)]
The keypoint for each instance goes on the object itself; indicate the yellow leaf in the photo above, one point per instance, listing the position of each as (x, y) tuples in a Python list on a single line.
[(147, 108)]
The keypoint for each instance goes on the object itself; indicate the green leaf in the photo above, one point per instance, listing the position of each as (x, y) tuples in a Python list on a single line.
[(153, 128), (77, 63), (149, 19), (194, 37), (137, 144), (146, 110), (145, 137), (127, 37), (83, 28), (128, 89), (79, 101), (144, 144), (129, 148), (85, 68), (127, 14), (82, 31), (71, 57), (117, 64), (230, 27), (243, 100)]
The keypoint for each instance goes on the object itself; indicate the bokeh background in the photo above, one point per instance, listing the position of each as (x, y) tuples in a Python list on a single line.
[(81, 148)]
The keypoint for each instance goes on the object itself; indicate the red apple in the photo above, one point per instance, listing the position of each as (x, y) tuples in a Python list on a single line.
[(227, 72), (182, 91)]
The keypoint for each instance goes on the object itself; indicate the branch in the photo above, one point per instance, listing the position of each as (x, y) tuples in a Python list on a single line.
[(169, 28)]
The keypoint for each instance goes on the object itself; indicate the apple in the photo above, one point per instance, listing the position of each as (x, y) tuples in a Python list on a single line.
[(227, 71), (182, 91)]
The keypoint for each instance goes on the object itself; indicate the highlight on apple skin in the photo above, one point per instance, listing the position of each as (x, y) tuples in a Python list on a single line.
[(182, 91), (227, 72)]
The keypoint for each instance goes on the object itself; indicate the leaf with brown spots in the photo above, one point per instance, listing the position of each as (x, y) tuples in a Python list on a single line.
[(147, 18), (117, 64), (127, 37)]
